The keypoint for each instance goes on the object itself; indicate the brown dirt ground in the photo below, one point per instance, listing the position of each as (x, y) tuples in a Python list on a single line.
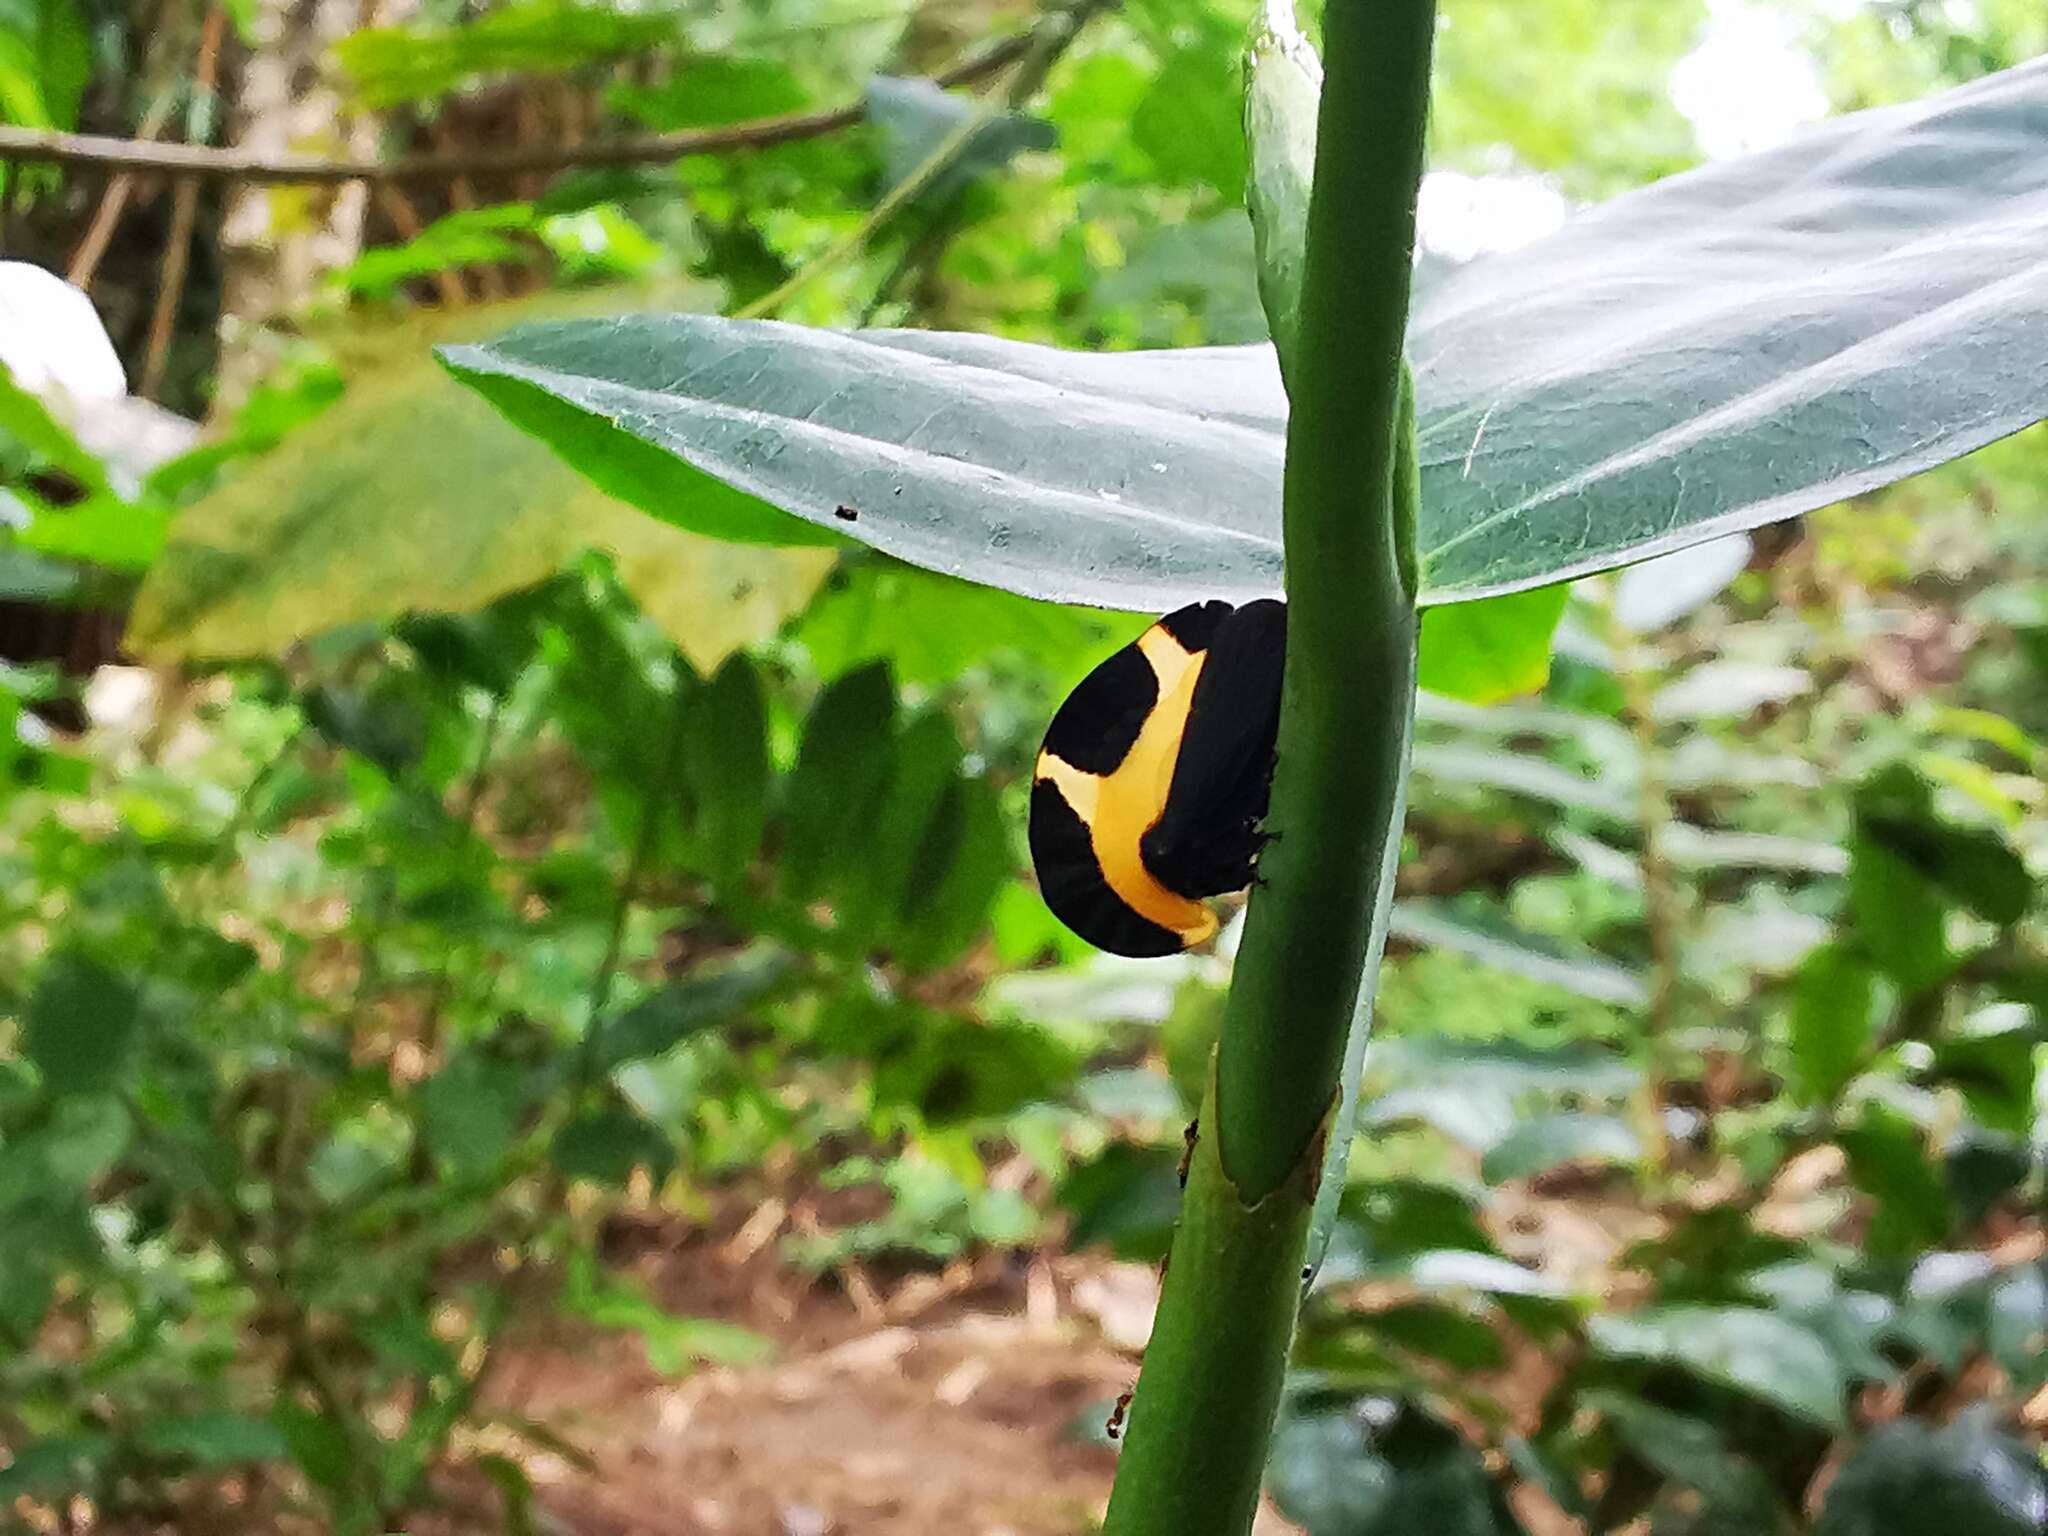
[(904, 1406)]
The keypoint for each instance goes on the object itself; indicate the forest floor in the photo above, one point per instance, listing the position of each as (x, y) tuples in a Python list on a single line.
[(957, 1401), (968, 1400)]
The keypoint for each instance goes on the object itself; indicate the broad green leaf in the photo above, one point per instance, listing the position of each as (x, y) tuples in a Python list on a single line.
[(1128, 1198), (406, 496), (915, 116), (85, 1135), (1974, 865), (1901, 921), (317, 1442), (1756, 1352), (1388, 1472), (214, 1439), (1981, 1168), (875, 887), (471, 1110), (1438, 1331), (842, 767), (101, 530), (932, 629), (1189, 122), (725, 765), (2016, 1332), (1732, 346), (1992, 1063), (1913, 1479), (606, 1145), (1834, 1022), (26, 422), (1690, 1451), (665, 1018), (1493, 649), (963, 863), (45, 62), (466, 237), (1890, 1161), (1283, 84), (81, 1024), (54, 1467), (1545, 1142)]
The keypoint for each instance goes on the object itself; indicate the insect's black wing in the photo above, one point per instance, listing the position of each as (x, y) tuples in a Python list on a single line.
[(1072, 883), (1207, 838)]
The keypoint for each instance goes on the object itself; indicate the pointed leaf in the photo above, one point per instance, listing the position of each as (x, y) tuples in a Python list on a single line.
[(1834, 1022), (1911, 1479), (726, 767), (1751, 1350), (406, 496), (841, 769), (1493, 649), (1732, 346), (81, 1024)]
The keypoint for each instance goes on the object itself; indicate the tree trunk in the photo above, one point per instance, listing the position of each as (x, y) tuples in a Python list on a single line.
[(278, 242)]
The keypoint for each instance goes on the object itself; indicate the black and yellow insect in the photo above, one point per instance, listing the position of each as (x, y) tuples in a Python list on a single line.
[(1154, 776)]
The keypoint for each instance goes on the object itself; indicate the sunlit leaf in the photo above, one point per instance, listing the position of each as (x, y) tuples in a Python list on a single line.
[(406, 496), (1492, 649), (1834, 1022)]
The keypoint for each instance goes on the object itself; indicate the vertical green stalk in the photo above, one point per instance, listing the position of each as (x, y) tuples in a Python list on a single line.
[(1205, 1403)]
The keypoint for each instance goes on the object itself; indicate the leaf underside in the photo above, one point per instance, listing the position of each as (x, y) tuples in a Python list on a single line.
[(1733, 346)]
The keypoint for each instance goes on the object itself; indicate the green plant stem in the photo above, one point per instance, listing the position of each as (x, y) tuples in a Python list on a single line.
[(1351, 621), (1204, 1408)]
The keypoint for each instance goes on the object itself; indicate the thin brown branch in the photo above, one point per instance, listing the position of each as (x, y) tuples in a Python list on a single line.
[(406, 220), (42, 147), (92, 250), (170, 294)]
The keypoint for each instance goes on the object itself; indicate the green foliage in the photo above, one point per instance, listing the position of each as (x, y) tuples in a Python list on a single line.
[(322, 532), (479, 893), (1493, 649), (422, 61), (1574, 88), (705, 90), (45, 62)]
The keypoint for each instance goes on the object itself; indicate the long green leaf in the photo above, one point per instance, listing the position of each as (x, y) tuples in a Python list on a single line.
[(1735, 345)]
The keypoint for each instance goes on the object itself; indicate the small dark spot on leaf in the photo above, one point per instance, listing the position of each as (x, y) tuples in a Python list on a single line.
[(846, 514)]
